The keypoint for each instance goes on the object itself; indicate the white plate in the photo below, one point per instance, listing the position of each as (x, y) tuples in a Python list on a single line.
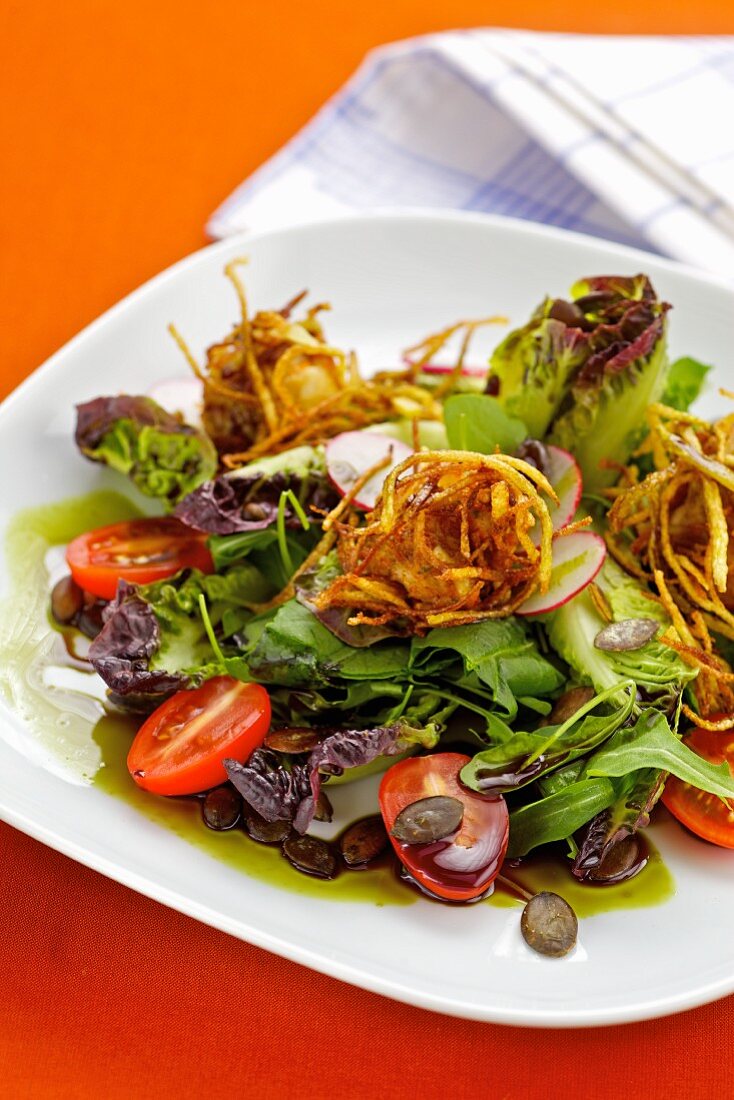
[(391, 278)]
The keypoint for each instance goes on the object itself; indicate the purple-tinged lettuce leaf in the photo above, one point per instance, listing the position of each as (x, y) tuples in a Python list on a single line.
[(271, 784), (248, 500), (154, 640), (122, 651), (287, 788), (629, 813), (580, 373), (163, 457), (336, 619)]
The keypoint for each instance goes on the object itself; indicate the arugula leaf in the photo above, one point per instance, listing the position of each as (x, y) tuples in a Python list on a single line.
[(651, 743), (526, 756), (476, 422), (685, 380), (562, 777), (559, 815), (501, 653)]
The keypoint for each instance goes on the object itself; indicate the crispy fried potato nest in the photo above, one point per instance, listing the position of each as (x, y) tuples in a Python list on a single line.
[(276, 383), (455, 538), (673, 529)]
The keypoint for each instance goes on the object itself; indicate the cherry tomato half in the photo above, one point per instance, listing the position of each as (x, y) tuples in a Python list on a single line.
[(704, 814), (460, 867), (180, 748), (138, 551)]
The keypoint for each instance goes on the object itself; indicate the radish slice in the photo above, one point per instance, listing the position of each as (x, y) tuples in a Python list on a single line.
[(577, 559), (351, 454), (469, 370), (565, 476), (184, 395)]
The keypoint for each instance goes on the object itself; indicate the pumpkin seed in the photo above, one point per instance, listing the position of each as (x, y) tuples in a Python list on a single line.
[(221, 808), (323, 811), (293, 739), (623, 861), (266, 832), (310, 855), (549, 925), (626, 635), (428, 819), (363, 841), (67, 599), (566, 706)]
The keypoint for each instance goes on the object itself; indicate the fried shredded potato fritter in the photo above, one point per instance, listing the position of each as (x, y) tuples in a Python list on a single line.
[(276, 383), (456, 537), (673, 530)]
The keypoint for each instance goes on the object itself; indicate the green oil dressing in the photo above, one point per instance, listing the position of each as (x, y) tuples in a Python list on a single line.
[(377, 884), (37, 678), (69, 729), (653, 885)]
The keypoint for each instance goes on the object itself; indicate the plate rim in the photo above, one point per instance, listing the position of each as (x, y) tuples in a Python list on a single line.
[(386, 213), (13, 814)]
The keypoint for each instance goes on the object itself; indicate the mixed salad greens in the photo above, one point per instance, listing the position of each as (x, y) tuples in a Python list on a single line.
[(510, 590)]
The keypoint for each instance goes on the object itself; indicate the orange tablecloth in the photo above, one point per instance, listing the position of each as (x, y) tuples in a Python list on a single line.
[(123, 126)]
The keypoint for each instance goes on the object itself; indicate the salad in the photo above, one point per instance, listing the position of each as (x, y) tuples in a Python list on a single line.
[(507, 589)]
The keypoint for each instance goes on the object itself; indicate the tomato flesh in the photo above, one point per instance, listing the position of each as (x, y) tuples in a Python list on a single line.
[(704, 814), (179, 749), (138, 551), (461, 867)]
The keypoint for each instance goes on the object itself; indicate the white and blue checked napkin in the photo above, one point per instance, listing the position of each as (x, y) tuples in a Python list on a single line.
[(631, 139)]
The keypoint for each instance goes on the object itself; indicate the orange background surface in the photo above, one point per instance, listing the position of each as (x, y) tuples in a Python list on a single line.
[(122, 127)]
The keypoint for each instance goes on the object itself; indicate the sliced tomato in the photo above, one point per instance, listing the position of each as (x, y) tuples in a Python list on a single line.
[(138, 551), (704, 814), (180, 748), (462, 866)]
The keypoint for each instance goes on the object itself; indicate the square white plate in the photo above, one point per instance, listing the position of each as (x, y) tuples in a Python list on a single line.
[(391, 278)]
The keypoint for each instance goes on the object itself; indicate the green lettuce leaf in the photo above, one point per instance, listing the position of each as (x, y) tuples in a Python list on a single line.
[(581, 373), (155, 639), (475, 422), (532, 366), (184, 645), (571, 630), (293, 648), (684, 383), (501, 653), (651, 743), (163, 457)]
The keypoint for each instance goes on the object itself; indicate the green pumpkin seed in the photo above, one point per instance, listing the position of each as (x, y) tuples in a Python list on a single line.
[(549, 925), (428, 819), (628, 634)]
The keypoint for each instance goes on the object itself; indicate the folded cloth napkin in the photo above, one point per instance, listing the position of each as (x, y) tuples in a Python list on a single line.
[(626, 138)]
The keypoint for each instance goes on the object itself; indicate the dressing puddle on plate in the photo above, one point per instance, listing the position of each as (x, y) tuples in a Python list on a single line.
[(72, 731)]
